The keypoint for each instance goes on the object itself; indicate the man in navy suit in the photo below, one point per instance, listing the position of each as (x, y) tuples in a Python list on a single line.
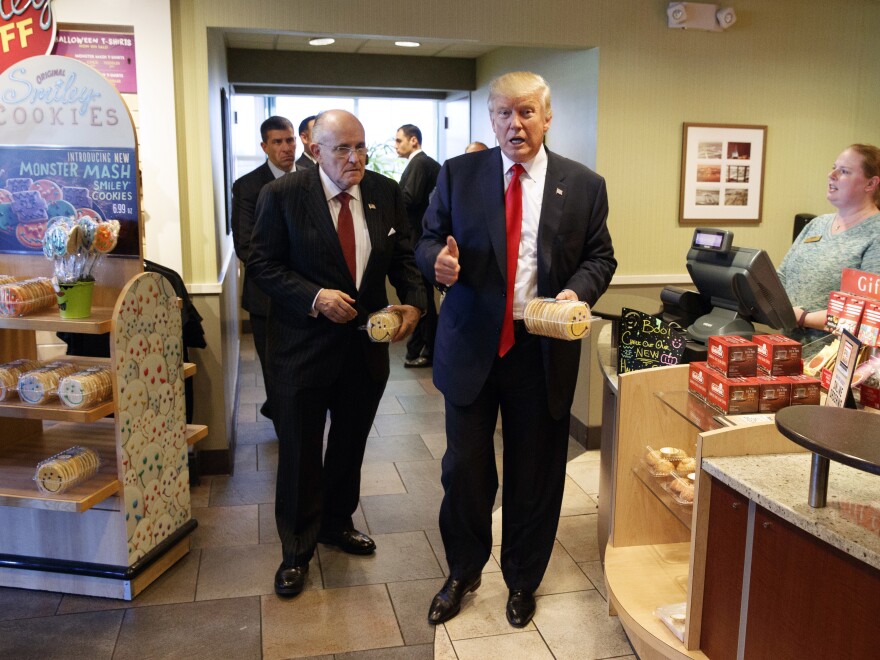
[(279, 145), (552, 212), (417, 182), (325, 240)]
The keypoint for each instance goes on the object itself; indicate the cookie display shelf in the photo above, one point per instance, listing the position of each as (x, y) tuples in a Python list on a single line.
[(115, 533)]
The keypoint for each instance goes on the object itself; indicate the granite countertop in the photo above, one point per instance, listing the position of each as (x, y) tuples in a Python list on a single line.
[(780, 483)]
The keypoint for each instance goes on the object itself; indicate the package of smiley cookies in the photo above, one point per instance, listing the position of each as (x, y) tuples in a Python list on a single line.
[(66, 469), (558, 319), (382, 325)]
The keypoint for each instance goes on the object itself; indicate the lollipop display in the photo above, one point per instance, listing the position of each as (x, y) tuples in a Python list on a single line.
[(77, 245)]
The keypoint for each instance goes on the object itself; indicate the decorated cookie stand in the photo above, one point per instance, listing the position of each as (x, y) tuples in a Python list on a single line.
[(116, 532)]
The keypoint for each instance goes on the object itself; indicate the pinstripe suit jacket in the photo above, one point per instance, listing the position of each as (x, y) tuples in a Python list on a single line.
[(295, 252)]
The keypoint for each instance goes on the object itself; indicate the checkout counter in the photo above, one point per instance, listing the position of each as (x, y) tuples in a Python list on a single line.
[(760, 572)]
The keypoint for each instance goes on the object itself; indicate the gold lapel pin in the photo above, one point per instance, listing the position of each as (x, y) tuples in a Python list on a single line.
[(559, 191), (371, 206)]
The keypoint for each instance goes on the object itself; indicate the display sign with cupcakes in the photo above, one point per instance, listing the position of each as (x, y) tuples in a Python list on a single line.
[(64, 155)]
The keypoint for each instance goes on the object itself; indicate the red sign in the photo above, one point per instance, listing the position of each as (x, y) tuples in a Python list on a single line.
[(860, 283), (27, 29)]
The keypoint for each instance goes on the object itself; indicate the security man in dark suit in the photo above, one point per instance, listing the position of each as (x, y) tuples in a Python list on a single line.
[(417, 182), (279, 145), (305, 136), (325, 240), (506, 225)]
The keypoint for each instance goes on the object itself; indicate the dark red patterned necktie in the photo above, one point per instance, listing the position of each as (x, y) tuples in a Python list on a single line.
[(513, 216), (345, 229)]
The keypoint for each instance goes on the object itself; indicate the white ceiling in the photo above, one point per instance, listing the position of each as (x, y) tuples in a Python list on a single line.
[(261, 40)]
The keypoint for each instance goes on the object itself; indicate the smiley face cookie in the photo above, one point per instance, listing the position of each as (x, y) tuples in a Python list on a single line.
[(134, 508)]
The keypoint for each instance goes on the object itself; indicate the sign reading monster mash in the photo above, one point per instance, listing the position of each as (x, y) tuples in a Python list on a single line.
[(67, 148)]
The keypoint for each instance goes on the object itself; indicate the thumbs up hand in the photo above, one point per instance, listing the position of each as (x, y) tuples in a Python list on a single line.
[(446, 266)]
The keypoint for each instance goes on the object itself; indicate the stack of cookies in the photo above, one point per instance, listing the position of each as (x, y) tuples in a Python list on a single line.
[(70, 467), (558, 319)]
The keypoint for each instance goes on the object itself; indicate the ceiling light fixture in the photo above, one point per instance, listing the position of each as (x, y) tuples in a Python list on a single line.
[(407, 44), (321, 41)]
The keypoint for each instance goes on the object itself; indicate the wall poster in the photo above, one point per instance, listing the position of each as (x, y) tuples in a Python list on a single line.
[(46, 102)]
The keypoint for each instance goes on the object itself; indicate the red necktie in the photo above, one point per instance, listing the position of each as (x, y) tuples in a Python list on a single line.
[(513, 216), (345, 229)]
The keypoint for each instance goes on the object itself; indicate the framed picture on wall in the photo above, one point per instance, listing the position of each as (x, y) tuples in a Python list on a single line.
[(722, 173)]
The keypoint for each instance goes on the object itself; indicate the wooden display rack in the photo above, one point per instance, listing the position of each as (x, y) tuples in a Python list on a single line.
[(79, 541)]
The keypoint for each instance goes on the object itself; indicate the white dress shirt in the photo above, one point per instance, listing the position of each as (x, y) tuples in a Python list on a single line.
[(277, 172), (526, 284)]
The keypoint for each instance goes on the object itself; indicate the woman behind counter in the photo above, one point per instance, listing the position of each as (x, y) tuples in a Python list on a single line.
[(829, 243)]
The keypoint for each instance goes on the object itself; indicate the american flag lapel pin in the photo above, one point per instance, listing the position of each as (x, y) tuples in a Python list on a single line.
[(372, 207), (559, 191)]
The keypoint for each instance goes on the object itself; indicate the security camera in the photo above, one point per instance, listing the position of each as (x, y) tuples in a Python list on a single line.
[(726, 17)]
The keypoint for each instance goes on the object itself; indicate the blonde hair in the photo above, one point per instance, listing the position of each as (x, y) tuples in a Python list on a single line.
[(517, 84)]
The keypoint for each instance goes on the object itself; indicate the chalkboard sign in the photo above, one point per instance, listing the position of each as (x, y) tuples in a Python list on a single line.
[(646, 341)]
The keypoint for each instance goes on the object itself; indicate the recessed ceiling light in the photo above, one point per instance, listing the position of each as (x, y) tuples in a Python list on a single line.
[(321, 41), (407, 44)]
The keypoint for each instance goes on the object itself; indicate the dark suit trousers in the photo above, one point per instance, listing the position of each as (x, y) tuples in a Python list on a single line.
[(258, 325), (535, 451), (421, 342), (311, 494)]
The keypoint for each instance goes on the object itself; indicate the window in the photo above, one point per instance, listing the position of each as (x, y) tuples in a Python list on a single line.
[(381, 118)]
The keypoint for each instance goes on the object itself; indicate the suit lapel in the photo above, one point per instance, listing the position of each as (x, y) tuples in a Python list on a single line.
[(496, 222), (373, 219), (552, 204), (317, 208)]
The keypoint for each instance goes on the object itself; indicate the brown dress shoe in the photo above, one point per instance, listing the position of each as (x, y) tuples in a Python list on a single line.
[(447, 602)]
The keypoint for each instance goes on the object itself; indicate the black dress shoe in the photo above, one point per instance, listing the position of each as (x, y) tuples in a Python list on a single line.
[(290, 580), (520, 608), (417, 363), (447, 602), (349, 540)]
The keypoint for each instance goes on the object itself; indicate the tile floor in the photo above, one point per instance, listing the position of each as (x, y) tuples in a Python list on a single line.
[(218, 601)]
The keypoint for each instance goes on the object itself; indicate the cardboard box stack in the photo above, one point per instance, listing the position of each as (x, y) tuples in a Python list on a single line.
[(758, 376)]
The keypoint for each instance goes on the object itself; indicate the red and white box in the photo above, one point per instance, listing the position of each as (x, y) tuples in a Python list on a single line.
[(805, 390), (844, 312), (698, 379), (733, 355), (774, 393), (869, 330), (778, 355), (869, 396), (733, 396)]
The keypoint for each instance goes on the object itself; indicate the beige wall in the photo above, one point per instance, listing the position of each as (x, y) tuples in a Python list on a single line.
[(805, 68)]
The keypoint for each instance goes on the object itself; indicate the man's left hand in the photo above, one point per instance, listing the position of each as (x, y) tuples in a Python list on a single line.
[(410, 318), (566, 294)]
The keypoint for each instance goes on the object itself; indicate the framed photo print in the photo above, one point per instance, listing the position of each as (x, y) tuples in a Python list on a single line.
[(722, 173)]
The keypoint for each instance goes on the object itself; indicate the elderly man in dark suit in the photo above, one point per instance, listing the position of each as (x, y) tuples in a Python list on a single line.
[(506, 225), (279, 145), (417, 182), (325, 240)]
